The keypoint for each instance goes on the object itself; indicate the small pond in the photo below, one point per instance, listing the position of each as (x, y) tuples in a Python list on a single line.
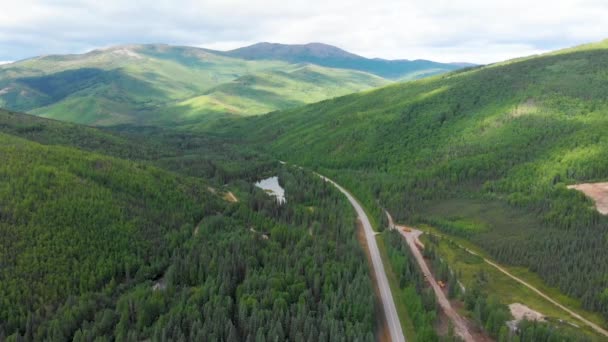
[(272, 187)]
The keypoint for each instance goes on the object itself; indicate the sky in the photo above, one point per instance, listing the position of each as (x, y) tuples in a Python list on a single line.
[(477, 31)]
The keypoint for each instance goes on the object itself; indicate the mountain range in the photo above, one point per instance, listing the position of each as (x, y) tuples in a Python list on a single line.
[(151, 227), (333, 57), (165, 84)]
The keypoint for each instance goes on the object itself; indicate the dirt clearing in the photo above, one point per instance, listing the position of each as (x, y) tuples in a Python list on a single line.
[(229, 196), (598, 192), (520, 311)]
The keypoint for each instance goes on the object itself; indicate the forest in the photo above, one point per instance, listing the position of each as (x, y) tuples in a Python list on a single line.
[(488, 314), (511, 136), (124, 247), (420, 299), (123, 234)]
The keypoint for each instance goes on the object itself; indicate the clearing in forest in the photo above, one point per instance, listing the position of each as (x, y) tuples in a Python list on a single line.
[(520, 312), (229, 196), (598, 192)]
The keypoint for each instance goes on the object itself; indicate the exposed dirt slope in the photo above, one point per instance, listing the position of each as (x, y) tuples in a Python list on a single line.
[(598, 192)]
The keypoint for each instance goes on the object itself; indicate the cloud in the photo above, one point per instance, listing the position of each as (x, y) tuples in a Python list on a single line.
[(467, 30)]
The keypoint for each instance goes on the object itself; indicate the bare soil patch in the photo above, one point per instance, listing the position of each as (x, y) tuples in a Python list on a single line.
[(525, 108), (598, 192), (520, 311), (229, 196)]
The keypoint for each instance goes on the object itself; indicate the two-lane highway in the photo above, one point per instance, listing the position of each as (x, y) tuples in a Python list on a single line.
[(390, 311)]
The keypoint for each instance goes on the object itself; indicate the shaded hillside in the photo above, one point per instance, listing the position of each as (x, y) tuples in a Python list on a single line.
[(212, 158), (511, 136), (333, 57), (72, 222)]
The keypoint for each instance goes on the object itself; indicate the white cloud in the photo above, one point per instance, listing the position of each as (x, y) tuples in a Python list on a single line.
[(467, 30), (5, 62)]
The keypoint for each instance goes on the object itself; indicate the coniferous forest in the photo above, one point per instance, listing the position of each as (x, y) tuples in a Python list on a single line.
[(150, 226), (484, 153), (100, 248)]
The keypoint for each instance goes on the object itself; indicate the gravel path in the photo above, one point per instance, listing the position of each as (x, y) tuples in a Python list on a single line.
[(460, 325)]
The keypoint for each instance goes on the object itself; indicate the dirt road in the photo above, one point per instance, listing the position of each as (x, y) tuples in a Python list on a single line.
[(415, 233), (386, 296), (460, 325), (537, 291)]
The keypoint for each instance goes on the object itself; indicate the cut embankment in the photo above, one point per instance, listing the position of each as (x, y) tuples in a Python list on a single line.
[(598, 192)]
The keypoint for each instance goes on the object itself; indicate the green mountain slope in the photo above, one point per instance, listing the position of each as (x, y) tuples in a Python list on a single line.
[(266, 91), (504, 139), (333, 57), (159, 83), (73, 221), (100, 248)]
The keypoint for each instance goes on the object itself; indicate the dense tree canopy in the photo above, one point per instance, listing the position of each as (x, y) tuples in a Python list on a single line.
[(510, 136), (96, 247)]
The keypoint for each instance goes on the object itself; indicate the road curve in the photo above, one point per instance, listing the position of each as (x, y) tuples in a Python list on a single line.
[(390, 311)]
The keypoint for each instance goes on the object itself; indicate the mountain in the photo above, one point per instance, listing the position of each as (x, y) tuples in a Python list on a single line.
[(145, 84), (333, 57), (97, 247), (484, 154), (292, 53), (168, 85)]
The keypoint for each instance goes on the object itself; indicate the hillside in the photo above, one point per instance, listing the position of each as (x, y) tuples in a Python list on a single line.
[(168, 84), (98, 247), (485, 154), (73, 222), (333, 57)]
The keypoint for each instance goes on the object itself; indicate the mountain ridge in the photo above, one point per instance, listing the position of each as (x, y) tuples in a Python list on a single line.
[(163, 84), (335, 57)]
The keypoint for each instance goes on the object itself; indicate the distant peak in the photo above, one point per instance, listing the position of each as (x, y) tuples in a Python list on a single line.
[(291, 51), (130, 50)]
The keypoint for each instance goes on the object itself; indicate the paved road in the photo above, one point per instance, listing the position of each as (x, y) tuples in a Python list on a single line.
[(394, 325), (460, 326)]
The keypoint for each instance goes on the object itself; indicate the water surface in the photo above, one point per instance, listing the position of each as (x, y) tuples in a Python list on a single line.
[(272, 187)]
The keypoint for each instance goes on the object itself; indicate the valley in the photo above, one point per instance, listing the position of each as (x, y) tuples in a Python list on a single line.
[(462, 140), (155, 192)]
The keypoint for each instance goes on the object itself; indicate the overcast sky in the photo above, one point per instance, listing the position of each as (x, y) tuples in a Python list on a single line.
[(479, 31)]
